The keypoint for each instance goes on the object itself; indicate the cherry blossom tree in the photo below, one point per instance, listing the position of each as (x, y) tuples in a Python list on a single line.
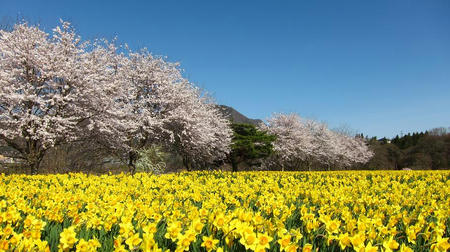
[(325, 145), (198, 130), (294, 142), (56, 89), (138, 77), (161, 107), (50, 86), (155, 105), (337, 149), (300, 141), (353, 150)]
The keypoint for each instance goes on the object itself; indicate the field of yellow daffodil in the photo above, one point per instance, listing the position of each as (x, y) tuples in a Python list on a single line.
[(221, 211)]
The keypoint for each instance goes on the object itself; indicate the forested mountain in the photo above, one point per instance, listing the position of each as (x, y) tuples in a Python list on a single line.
[(236, 117)]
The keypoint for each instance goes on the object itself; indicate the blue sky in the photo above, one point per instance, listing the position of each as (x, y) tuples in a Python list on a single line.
[(380, 67)]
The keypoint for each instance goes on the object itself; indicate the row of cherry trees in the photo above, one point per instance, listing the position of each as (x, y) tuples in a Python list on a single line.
[(300, 141), (57, 89)]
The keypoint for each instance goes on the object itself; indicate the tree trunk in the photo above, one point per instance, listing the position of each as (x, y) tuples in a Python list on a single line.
[(132, 157), (34, 166), (34, 157), (234, 164), (131, 167), (187, 164)]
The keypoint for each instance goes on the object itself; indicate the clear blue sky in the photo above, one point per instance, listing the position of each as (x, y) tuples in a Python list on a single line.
[(381, 67)]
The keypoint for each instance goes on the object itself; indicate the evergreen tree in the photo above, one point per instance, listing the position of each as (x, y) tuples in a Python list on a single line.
[(249, 144)]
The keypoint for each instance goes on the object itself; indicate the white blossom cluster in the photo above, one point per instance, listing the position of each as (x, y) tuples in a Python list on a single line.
[(55, 88), (303, 141)]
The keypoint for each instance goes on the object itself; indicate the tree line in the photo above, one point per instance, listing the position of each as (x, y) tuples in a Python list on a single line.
[(419, 150)]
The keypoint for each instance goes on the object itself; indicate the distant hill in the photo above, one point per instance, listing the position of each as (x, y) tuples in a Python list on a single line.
[(237, 117)]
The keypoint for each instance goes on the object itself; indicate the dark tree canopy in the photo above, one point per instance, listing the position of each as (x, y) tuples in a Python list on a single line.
[(249, 144), (418, 150)]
